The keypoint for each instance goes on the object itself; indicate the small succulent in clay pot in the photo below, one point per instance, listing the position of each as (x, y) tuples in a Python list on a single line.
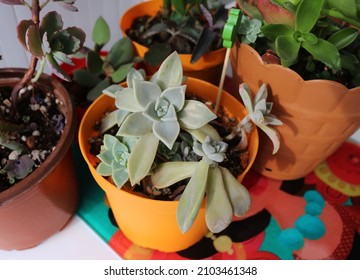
[(30, 122)]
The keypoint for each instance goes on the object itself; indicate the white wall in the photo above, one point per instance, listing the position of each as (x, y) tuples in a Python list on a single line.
[(14, 54)]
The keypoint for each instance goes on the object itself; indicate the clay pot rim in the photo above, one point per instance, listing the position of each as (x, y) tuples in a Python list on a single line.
[(64, 143), (105, 183), (259, 61)]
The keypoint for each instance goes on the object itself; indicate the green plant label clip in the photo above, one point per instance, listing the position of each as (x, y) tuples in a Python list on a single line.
[(229, 38)]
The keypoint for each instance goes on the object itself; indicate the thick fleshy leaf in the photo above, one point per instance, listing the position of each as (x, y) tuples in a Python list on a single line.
[(167, 132), (203, 44), (84, 78), (146, 92), (273, 135), (106, 157), (97, 90), (120, 74), (22, 29), (176, 96), (63, 58), (343, 37), (138, 164), (126, 100), (101, 32), (192, 197), (170, 115), (307, 14), (113, 90), (169, 173), (195, 114), (287, 47), (325, 52), (121, 52), (136, 124), (51, 23), (272, 31), (94, 63), (170, 73), (79, 34), (219, 212), (150, 112), (109, 120), (12, 2), (201, 133), (346, 7), (120, 177), (238, 195), (245, 95), (56, 69), (104, 169), (134, 75), (34, 41), (261, 94)]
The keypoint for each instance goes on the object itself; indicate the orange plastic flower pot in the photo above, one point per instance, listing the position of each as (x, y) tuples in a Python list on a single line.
[(318, 115), (207, 68), (146, 222), (41, 204)]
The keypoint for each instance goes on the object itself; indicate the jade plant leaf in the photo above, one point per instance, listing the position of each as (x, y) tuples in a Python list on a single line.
[(101, 32), (121, 73), (121, 52)]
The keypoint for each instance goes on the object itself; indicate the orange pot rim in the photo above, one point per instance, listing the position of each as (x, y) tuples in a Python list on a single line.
[(208, 60), (90, 159), (278, 67)]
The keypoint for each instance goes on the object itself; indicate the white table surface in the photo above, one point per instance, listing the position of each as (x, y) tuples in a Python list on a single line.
[(77, 241)]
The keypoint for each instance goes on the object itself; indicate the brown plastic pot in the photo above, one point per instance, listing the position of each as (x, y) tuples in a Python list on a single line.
[(318, 115), (207, 68), (146, 222), (41, 204)]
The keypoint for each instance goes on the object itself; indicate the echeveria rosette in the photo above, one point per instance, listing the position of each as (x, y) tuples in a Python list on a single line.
[(225, 196), (259, 112), (114, 156), (158, 110)]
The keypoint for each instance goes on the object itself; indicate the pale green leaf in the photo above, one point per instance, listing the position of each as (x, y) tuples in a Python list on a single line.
[(195, 114), (146, 92), (170, 73), (136, 124), (169, 173), (138, 164), (104, 169), (192, 197), (126, 100), (176, 96), (120, 74), (239, 196), (218, 208), (134, 75), (101, 32), (201, 133), (167, 132)]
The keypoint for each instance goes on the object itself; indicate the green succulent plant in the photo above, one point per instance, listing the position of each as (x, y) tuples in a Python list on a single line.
[(317, 39), (105, 68), (174, 143), (187, 26)]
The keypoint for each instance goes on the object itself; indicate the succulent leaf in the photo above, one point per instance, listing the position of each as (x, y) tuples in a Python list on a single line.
[(136, 124), (192, 197), (195, 115), (101, 32), (51, 23), (218, 208), (170, 73)]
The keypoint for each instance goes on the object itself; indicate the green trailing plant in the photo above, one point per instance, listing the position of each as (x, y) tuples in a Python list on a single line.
[(104, 68), (168, 140), (317, 39), (187, 26), (47, 41)]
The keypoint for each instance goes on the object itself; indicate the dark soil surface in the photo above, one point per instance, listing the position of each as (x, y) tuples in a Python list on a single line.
[(36, 126)]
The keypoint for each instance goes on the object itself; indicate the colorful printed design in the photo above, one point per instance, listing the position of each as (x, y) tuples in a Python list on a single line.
[(299, 219)]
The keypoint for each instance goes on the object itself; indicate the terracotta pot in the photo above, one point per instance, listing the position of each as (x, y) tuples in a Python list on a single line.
[(146, 222), (41, 204), (318, 115), (207, 68)]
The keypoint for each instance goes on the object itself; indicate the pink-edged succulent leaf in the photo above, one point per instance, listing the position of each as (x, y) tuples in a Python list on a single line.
[(56, 69), (33, 41), (13, 2), (22, 29), (51, 23), (273, 13)]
